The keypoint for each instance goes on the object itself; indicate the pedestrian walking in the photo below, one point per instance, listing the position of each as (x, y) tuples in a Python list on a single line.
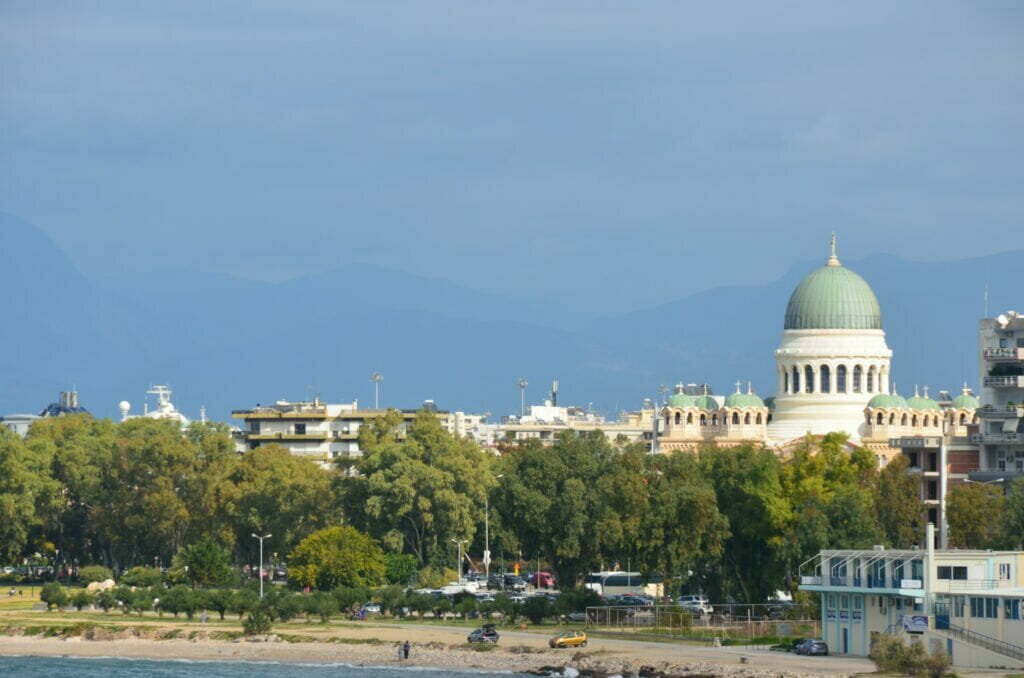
[(405, 649)]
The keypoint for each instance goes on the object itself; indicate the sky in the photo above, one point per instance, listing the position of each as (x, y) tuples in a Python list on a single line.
[(608, 155)]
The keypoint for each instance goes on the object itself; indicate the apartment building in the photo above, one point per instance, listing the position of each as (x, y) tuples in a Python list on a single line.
[(967, 603), (325, 432), (1001, 362)]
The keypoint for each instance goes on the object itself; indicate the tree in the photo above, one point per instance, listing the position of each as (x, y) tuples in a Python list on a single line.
[(399, 568), (323, 605), (537, 609), (94, 573), (105, 600), (218, 600), (435, 577), (143, 577), (81, 599), (1015, 514), (466, 606), (899, 506), (391, 598), (258, 622), (54, 595), (243, 601), (416, 494), (337, 556), (204, 564), (142, 600), (25, 490), (972, 510), (176, 599)]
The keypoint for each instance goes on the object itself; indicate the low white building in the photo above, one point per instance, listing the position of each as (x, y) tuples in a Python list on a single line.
[(968, 603)]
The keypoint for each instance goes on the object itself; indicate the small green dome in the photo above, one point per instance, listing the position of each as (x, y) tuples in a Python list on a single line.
[(744, 400), (682, 400), (966, 401), (833, 298), (888, 401), (706, 402), (918, 402)]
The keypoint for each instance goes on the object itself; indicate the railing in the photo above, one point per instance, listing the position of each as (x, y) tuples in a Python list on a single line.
[(997, 438), (1011, 381), (957, 585), (810, 581), (988, 642), (1008, 412), (1001, 353)]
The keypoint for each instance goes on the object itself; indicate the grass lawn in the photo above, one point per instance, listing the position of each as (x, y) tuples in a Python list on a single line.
[(23, 599)]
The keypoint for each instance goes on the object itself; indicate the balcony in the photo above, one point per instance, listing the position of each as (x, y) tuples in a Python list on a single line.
[(1003, 354), (310, 435), (1009, 412), (1011, 381), (870, 581), (998, 438)]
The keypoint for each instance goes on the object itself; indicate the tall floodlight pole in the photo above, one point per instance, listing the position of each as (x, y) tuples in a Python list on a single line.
[(459, 543), (266, 536), (376, 378), (522, 396)]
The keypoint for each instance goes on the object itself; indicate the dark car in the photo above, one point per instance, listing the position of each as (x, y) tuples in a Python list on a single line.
[(812, 646), (485, 634)]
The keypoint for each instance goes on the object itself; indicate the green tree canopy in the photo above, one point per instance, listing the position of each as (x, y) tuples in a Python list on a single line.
[(204, 564), (337, 556), (972, 510)]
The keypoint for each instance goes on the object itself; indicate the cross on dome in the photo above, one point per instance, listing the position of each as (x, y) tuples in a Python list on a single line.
[(833, 259)]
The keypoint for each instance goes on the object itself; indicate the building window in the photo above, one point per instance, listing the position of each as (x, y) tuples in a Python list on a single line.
[(300, 429), (736, 417), (933, 489), (977, 608), (871, 380), (958, 606), (808, 379), (796, 380), (841, 379), (1004, 570), (857, 373), (785, 378), (1011, 608), (991, 608), (844, 602), (958, 572), (254, 427), (678, 418), (826, 379)]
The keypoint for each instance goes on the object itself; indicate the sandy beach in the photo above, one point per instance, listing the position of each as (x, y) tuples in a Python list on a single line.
[(437, 647)]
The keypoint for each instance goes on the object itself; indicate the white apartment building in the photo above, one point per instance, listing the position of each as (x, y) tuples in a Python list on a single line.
[(1001, 362), (326, 432), (545, 422), (967, 603)]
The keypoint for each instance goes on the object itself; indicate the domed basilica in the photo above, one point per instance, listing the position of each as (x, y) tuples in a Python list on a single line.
[(833, 375)]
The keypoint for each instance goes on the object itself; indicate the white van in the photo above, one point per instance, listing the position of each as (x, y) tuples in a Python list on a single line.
[(695, 604)]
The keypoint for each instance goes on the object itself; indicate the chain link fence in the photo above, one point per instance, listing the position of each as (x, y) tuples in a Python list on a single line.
[(729, 624)]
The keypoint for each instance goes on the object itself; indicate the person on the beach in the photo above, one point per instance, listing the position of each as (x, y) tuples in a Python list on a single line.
[(405, 649)]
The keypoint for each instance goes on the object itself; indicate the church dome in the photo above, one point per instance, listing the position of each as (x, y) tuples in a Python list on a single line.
[(888, 401), (919, 402), (706, 402), (966, 400), (748, 399), (833, 298), (682, 400)]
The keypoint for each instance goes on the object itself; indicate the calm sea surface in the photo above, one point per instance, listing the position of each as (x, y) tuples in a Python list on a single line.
[(131, 668)]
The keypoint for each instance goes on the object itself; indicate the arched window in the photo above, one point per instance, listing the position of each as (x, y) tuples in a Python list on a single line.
[(871, 379), (769, 418), (903, 420), (892, 418), (679, 418), (689, 418), (858, 371), (714, 420), (808, 379), (826, 379), (785, 378), (881, 418), (963, 419), (703, 420), (913, 420), (796, 380), (935, 420), (746, 419), (841, 379), (736, 417)]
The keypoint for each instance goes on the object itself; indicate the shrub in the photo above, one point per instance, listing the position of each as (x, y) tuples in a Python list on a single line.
[(54, 595), (537, 608), (435, 577), (142, 601), (242, 602), (218, 600), (141, 577), (94, 573), (105, 600), (257, 623), (391, 598), (892, 654), (324, 605), (81, 599), (399, 568)]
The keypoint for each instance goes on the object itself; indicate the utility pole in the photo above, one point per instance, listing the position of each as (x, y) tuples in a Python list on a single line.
[(266, 536), (522, 396), (376, 378), (459, 543)]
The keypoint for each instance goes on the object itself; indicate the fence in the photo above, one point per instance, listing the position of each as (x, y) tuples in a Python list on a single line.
[(727, 622)]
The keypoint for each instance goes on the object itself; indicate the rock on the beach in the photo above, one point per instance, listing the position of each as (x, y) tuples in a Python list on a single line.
[(570, 672)]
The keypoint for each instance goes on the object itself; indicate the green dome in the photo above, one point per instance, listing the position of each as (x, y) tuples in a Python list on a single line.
[(966, 401), (706, 402), (916, 402), (682, 400), (888, 401), (744, 400), (833, 298)]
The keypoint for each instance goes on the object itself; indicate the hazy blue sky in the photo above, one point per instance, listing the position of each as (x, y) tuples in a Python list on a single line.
[(617, 153)]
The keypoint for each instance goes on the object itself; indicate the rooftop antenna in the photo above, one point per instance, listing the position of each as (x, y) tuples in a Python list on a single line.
[(554, 393), (376, 378)]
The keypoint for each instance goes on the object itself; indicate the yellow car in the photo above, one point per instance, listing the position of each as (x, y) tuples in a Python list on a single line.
[(569, 639)]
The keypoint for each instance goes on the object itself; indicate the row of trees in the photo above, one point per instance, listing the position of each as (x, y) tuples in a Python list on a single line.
[(735, 523)]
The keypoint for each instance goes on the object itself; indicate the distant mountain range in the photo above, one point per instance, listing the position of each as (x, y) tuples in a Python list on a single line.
[(228, 343)]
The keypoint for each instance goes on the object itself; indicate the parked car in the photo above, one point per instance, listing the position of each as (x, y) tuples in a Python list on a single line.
[(517, 597), (569, 639), (512, 582), (695, 604), (576, 617), (542, 580), (371, 608), (495, 581), (485, 634), (812, 646)]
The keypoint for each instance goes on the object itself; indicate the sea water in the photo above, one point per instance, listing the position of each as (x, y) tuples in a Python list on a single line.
[(65, 667)]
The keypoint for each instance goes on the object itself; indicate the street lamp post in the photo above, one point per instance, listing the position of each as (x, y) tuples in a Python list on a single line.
[(376, 378), (522, 396), (261, 538), (459, 543)]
